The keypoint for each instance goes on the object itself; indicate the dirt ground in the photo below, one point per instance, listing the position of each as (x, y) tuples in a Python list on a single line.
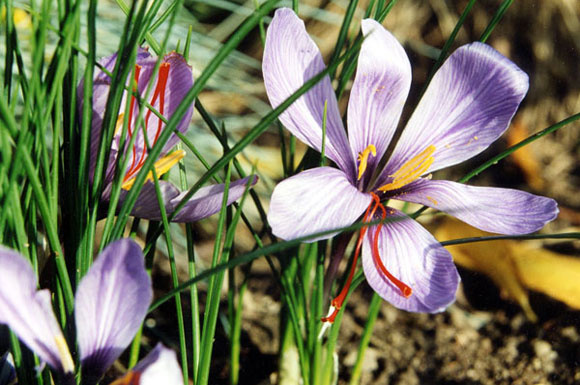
[(487, 343)]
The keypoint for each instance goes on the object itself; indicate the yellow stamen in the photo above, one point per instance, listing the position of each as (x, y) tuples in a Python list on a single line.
[(161, 167), (66, 360), (363, 157), (411, 170), (119, 123)]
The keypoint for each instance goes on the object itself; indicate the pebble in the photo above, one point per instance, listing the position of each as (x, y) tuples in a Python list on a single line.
[(545, 356), (544, 350)]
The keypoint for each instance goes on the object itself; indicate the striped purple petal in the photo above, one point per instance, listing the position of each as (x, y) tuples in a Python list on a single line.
[(497, 210), (313, 201), (28, 311), (379, 92), (204, 203), (291, 58), (468, 105), (412, 255), (208, 200), (111, 303), (147, 205)]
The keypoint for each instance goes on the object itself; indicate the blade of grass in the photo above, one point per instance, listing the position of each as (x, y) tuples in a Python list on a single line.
[(317, 312), (49, 219), (329, 375), (342, 34), (572, 235), (383, 14), (216, 282), (85, 254), (495, 20), (447, 45), (374, 308), (174, 276), (191, 270)]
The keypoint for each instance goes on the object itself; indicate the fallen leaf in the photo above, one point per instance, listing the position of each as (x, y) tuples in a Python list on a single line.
[(524, 157), (551, 273), (515, 266)]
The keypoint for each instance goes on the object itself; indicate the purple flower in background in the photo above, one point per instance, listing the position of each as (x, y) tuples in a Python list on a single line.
[(468, 105), (172, 82), (159, 367), (110, 304)]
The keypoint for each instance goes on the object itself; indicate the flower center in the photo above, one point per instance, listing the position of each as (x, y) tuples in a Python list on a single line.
[(363, 158), (405, 290), (410, 170), (140, 156)]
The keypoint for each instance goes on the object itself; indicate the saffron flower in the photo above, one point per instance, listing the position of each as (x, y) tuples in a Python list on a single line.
[(110, 305), (467, 106), (170, 85)]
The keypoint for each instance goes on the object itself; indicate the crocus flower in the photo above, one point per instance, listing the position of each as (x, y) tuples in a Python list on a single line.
[(467, 106), (172, 82), (110, 305)]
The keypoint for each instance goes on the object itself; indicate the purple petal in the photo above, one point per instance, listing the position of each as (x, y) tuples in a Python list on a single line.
[(290, 59), (412, 255), (468, 105), (497, 210), (378, 93), (147, 204), (313, 201), (160, 366), (208, 200), (111, 303), (28, 312), (178, 85), (205, 202)]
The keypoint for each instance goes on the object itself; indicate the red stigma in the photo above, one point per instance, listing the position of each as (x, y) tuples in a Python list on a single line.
[(406, 291), (159, 93)]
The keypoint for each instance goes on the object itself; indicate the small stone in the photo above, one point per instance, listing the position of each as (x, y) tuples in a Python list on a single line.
[(571, 333), (544, 355), (370, 362), (544, 350), (510, 351), (409, 377)]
